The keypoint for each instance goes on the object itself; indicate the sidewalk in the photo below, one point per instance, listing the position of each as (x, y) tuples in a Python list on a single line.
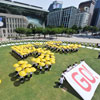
[(79, 39), (69, 39)]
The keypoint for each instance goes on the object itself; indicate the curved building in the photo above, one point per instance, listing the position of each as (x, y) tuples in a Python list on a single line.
[(31, 12), (15, 14)]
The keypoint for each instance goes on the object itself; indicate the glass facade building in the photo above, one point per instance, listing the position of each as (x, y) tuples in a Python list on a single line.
[(96, 15), (15, 14), (35, 15), (55, 5), (62, 17)]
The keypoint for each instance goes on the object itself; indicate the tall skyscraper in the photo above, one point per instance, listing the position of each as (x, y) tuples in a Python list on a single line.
[(68, 17), (81, 19), (96, 15), (62, 17), (87, 6), (55, 5)]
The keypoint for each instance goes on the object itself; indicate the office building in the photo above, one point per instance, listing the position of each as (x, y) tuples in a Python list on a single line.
[(55, 5), (23, 13), (68, 16), (9, 22), (54, 18), (96, 15), (62, 17), (87, 6), (82, 19)]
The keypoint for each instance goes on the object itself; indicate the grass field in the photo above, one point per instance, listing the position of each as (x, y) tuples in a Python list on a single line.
[(42, 86)]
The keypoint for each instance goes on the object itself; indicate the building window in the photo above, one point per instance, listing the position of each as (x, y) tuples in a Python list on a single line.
[(11, 30), (4, 31), (8, 30), (4, 34)]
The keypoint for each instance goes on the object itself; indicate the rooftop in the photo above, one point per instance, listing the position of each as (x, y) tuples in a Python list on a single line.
[(19, 4)]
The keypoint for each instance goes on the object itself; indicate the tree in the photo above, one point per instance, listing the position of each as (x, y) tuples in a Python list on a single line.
[(28, 32), (52, 31), (79, 29), (74, 27), (66, 31), (20, 31), (33, 31), (87, 28), (45, 32), (38, 30), (71, 31), (94, 29)]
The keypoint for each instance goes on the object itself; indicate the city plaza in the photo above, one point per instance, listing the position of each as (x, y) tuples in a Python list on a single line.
[(30, 69)]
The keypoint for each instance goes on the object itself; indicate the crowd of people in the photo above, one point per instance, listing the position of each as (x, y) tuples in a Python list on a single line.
[(23, 51), (58, 47), (44, 60), (69, 68), (38, 44), (24, 70)]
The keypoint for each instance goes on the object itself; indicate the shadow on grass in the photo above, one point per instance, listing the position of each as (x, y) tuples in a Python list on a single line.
[(56, 85), (38, 72), (17, 83), (97, 58), (66, 86), (12, 74), (15, 56), (16, 80)]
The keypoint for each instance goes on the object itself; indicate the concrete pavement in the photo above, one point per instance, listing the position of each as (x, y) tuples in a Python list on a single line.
[(74, 38)]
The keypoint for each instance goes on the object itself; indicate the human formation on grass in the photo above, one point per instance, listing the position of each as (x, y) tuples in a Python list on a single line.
[(42, 57), (23, 69), (25, 50), (41, 62), (57, 47)]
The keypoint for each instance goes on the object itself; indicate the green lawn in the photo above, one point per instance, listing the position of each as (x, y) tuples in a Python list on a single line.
[(42, 86)]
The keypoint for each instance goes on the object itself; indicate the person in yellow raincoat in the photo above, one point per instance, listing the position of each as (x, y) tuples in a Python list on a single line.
[(32, 70), (41, 66), (22, 75)]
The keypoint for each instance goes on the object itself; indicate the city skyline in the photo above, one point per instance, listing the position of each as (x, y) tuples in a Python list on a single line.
[(47, 3)]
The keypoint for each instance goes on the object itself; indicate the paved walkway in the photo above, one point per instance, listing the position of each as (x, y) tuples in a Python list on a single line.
[(79, 39), (70, 39)]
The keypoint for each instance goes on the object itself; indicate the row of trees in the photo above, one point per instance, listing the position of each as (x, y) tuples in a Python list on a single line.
[(92, 29), (44, 31), (54, 31)]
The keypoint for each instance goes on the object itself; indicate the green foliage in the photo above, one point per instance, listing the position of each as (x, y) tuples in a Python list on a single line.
[(20, 30), (45, 31), (74, 27), (42, 87), (28, 32), (38, 30), (33, 30), (92, 29)]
